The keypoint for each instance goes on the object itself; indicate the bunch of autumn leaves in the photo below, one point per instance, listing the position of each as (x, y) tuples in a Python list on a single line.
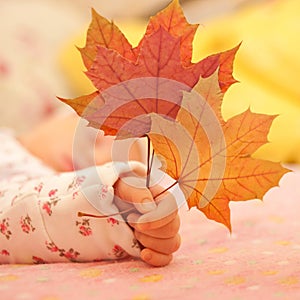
[(155, 90)]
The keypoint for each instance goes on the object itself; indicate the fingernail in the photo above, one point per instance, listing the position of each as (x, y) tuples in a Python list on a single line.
[(148, 205), (147, 256)]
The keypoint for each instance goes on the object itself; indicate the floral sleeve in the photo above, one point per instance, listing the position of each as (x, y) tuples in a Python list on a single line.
[(39, 220)]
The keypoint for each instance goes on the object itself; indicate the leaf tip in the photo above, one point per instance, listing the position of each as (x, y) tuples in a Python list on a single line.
[(229, 229), (80, 49), (64, 100), (94, 12), (286, 170), (237, 47)]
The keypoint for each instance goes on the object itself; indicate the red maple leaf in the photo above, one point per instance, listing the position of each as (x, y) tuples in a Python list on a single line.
[(154, 89), (164, 52)]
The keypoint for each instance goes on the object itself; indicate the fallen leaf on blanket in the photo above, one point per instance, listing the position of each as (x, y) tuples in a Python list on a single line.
[(154, 89), (210, 158), (290, 280), (90, 273), (152, 278), (127, 77), (235, 280), (8, 278), (141, 297)]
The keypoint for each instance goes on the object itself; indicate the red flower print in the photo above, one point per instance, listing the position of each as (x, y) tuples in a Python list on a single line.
[(84, 227), (85, 231), (39, 187), (112, 221), (105, 188), (4, 252), (118, 251), (25, 228), (26, 225), (75, 194), (103, 191), (47, 207), (52, 193), (4, 228), (71, 254), (52, 247), (38, 260), (77, 181)]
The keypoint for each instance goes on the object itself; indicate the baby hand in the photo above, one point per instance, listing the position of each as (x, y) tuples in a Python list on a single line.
[(155, 222)]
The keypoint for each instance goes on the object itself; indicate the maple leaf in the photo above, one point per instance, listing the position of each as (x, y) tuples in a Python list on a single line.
[(211, 159), (101, 32), (172, 19), (165, 51), (155, 89), (85, 104)]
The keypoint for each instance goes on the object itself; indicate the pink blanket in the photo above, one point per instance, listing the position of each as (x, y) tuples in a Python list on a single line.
[(259, 260)]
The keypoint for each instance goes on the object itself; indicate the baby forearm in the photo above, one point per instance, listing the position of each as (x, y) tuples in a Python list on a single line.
[(40, 223)]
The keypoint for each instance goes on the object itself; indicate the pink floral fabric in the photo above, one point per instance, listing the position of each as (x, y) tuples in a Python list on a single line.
[(39, 220), (260, 260)]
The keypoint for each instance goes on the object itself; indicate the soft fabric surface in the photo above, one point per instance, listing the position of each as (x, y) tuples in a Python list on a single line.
[(259, 260)]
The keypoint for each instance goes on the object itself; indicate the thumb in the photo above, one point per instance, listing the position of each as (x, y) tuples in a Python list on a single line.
[(133, 190)]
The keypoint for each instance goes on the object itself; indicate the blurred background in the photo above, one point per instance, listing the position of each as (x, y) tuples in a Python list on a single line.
[(39, 60)]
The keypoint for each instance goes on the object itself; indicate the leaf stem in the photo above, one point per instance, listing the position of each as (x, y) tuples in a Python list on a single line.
[(148, 162), (152, 158), (165, 190), (82, 214)]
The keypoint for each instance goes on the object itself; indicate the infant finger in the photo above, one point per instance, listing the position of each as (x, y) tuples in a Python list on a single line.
[(163, 214), (165, 232), (164, 246), (155, 259), (133, 190)]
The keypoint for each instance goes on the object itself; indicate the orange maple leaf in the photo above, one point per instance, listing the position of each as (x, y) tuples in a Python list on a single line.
[(103, 33), (211, 159), (165, 51), (154, 89), (173, 20)]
